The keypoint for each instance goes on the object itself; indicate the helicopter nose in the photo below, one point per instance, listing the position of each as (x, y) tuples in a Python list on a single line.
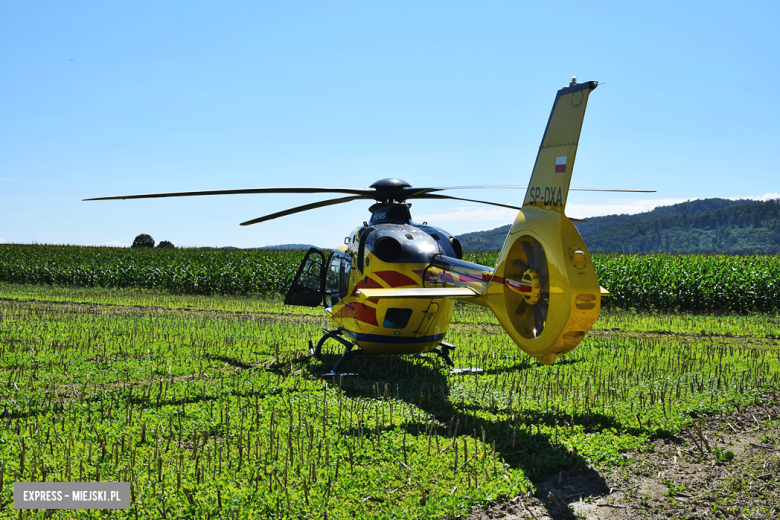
[(402, 245)]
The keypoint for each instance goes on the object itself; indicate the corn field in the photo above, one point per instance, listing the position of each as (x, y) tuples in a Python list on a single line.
[(695, 283)]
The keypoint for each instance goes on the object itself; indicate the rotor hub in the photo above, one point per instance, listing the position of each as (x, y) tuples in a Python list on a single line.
[(391, 190), (531, 281), (390, 183)]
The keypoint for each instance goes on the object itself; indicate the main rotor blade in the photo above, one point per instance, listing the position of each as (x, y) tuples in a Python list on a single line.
[(369, 192), (432, 196), (377, 194), (441, 188), (607, 189), (306, 207)]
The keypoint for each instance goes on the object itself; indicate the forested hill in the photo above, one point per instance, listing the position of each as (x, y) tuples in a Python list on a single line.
[(692, 207), (749, 228), (708, 226)]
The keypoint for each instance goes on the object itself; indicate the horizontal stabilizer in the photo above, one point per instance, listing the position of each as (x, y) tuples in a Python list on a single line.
[(433, 292), (604, 292)]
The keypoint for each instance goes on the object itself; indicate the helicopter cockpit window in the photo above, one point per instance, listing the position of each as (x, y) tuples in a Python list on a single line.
[(337, 280)]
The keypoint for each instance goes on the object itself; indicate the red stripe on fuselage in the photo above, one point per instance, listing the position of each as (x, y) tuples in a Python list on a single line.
[(517, 286), (367, 283), (468, 279), (396, 279), (358, 311), (486, 277)]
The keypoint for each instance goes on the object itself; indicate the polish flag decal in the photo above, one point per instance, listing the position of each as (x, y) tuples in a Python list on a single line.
[(560, 164)]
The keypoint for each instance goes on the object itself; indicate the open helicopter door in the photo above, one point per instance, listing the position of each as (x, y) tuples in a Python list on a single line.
[(308, 286)]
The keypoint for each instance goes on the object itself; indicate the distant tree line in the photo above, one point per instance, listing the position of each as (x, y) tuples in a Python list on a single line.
[(144, 240)]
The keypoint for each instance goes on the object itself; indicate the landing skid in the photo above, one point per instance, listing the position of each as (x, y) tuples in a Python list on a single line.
[(316, 353), (443, 351)]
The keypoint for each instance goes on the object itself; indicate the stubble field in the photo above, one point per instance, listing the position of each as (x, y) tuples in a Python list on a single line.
[(212, 408)]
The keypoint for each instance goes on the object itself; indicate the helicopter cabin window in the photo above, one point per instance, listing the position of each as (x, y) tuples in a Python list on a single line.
[(337, 280), (397, 318)]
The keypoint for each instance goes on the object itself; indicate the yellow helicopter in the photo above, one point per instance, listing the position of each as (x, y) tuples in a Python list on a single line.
[(391, 288)]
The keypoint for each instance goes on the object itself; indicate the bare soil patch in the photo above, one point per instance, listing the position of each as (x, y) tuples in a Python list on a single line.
[(728, 469)]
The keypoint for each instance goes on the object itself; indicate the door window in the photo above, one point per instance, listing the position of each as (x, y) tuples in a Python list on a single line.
[(307, 286), (337, 280)]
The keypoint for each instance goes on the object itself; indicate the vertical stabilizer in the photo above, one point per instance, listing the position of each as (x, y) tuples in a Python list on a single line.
[(549, 185)]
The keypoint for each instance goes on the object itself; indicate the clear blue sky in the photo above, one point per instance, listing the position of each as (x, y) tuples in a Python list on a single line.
[(110, 98)]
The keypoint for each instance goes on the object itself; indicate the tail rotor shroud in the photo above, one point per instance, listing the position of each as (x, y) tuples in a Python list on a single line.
[(535, 304)]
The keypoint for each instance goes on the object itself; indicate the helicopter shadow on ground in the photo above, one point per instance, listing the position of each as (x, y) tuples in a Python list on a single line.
[(425, 383), (526, 364), (233, 362)]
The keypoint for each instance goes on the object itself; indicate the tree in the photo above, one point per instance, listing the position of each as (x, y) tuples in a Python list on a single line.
[(166, 244), (143, 241)]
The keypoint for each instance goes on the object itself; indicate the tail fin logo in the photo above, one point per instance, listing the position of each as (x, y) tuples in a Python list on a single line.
[(560, 164)]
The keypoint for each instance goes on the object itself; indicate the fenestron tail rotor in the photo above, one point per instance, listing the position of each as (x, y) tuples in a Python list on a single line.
[(536, 281)]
